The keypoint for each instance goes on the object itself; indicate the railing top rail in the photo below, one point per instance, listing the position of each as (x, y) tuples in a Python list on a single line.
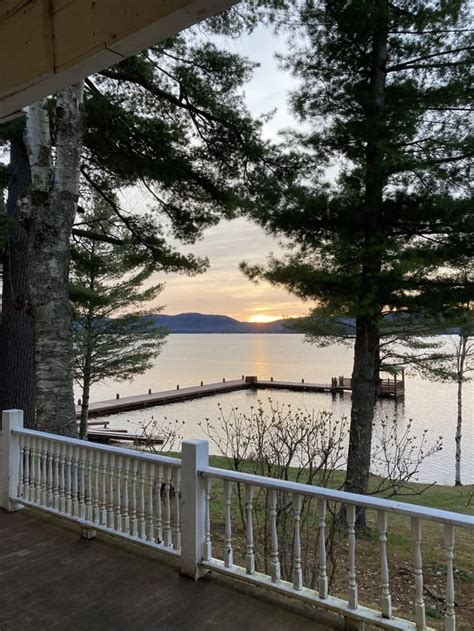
[(376, 503), (83, 444)]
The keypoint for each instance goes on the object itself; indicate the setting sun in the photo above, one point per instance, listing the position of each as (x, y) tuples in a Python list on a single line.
[(261, 318)]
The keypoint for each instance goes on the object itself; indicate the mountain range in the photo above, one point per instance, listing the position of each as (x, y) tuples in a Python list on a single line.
[(206, 323)]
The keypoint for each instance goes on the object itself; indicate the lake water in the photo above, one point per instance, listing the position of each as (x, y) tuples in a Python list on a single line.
[(188, 359)]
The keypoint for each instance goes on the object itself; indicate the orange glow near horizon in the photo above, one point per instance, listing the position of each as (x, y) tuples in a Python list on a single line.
[(261, 318)]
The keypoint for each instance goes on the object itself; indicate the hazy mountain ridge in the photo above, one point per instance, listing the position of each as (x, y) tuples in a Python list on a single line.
[(207, 323)]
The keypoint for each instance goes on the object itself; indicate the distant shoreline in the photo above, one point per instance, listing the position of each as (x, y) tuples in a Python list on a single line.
[(235, 332)]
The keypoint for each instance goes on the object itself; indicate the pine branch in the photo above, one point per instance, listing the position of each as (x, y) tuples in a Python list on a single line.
[(409, 63), (96, 236)]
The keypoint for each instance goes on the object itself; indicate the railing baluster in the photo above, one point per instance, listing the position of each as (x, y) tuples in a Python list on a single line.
[(118, 493), (49, 474), (133, 498), (158, 517), (150, 480), (89, 469), (81, 472), (449, 616), (96, 485), (167, 518), (56, 449), (386, 600), (43, 473), (229, 555), (297, 572), (323, 579), (37, 470), (177, 515), (75, 480), (103, 488), (126, 480), (250, 556), (110, 490), (207, 547), (68, 467), (21, 466), (351, 535), (274, 553), (141, 500), (418, 562), (26, 473), (62, 478)]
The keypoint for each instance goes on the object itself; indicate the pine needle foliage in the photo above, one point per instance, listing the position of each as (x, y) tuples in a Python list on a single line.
[(113, 336)]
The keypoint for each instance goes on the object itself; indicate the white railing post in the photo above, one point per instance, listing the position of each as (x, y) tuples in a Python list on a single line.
[(195, 456), (10, 460)]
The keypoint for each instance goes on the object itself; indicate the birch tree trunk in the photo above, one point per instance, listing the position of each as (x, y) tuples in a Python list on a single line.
[(462, 351), (51, 208)]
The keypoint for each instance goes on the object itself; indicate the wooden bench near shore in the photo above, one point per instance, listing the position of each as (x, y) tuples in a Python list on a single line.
[(389, 388)]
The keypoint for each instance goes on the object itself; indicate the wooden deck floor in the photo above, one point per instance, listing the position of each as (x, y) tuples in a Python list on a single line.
[(52, 579)]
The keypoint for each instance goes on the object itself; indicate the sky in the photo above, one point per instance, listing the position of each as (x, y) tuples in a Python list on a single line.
[(223, 289)]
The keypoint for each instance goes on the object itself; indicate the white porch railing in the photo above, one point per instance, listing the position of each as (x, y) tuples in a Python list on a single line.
[(165, 503)]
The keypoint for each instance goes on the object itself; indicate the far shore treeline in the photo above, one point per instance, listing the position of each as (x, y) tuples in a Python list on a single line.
[(213, 323)]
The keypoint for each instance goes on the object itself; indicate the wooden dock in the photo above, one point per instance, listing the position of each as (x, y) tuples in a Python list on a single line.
[(111, 406), (107, 435), (389, 388)]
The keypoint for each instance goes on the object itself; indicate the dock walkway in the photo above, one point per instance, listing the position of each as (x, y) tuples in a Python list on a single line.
[(137, 402)]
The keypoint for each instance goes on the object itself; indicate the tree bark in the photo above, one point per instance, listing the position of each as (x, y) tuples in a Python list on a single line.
[(86, 387), (458, 437), (364, 396), (17, 383), (367, 342), (86, 380), (51, 209)]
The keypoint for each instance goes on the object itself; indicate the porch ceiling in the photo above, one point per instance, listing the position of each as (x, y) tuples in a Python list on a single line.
[(46, 45)]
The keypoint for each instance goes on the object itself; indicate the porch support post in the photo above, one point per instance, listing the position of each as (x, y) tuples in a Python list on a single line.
[(10, 459), (195, 456)]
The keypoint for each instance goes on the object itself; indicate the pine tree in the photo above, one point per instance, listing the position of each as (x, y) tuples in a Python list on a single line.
[(384, 95), (112, 337), (173, 121)]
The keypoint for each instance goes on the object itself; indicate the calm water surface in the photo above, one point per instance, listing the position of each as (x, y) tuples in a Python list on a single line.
[(188, 359)]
